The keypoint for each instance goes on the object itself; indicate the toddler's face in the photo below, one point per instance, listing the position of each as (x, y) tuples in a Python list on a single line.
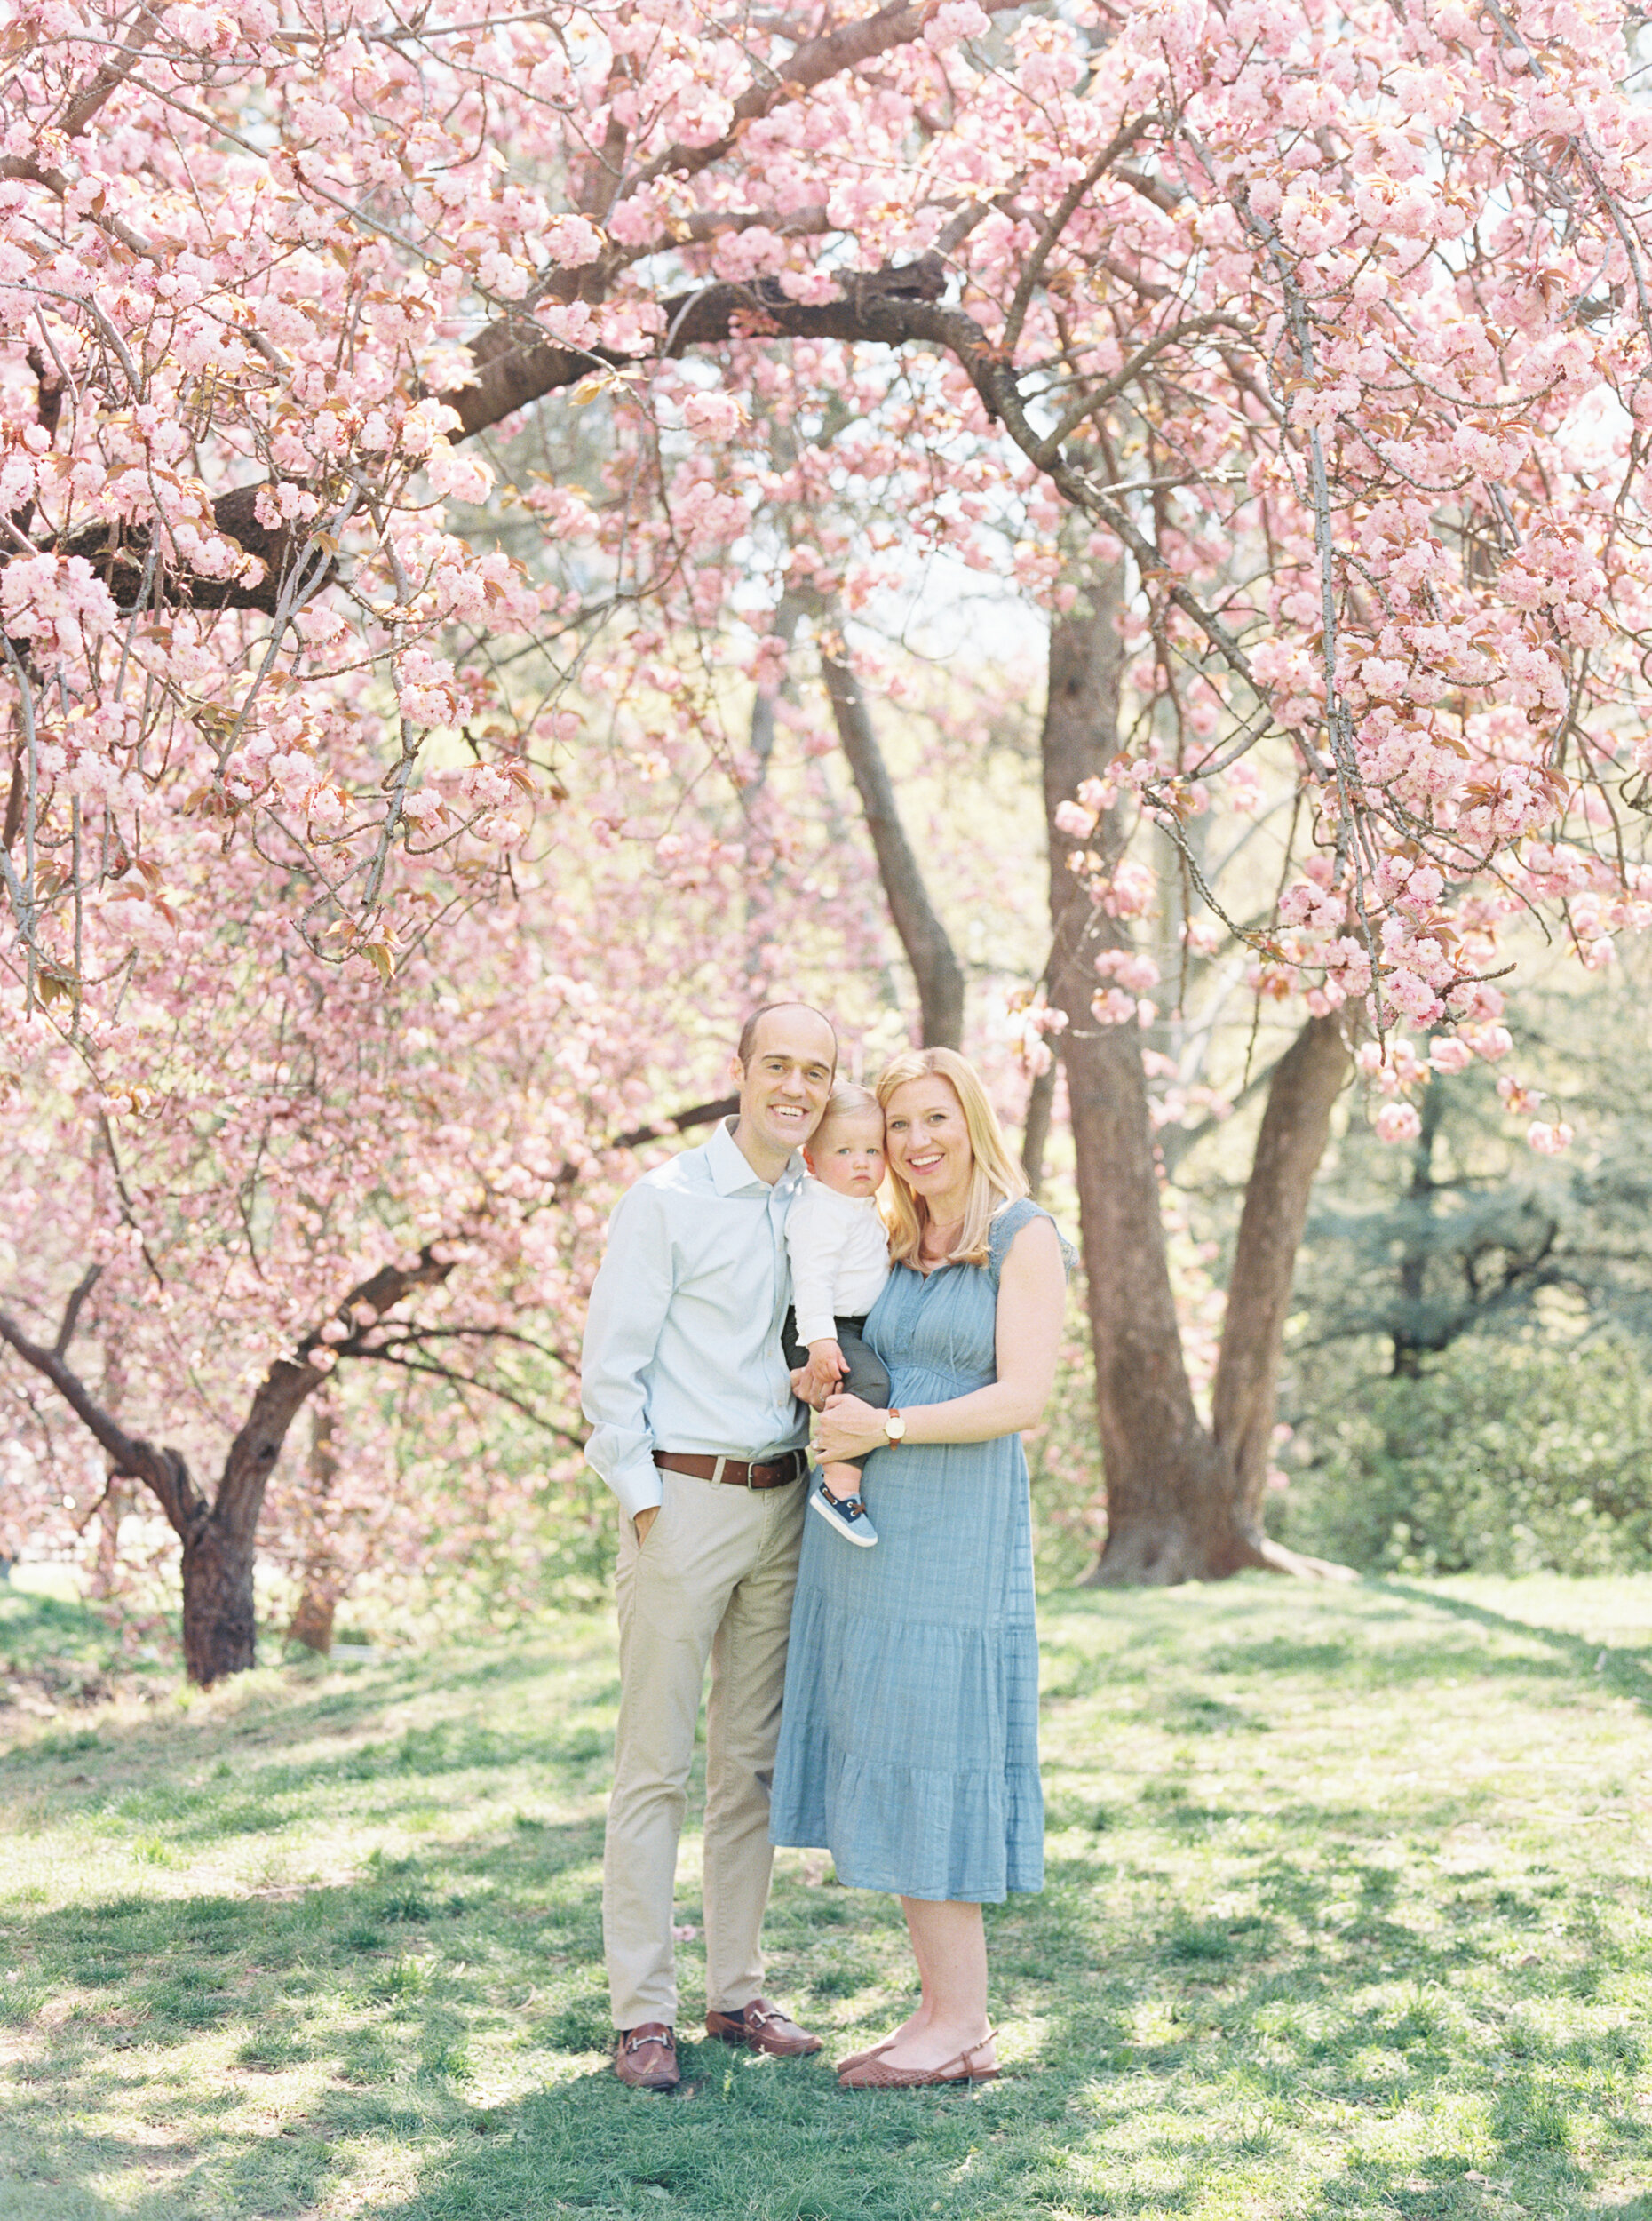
[(847, 1153)]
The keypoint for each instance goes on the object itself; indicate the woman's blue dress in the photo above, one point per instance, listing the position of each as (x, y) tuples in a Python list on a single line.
[(909, 1744)]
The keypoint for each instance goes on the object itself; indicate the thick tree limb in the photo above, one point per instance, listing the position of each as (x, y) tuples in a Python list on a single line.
[(700, 1114), (120, 558), (515, 364), (162, 1472), (84, 104), (805, 67), (252, 1454), (83, 1288), (1296, 1125)]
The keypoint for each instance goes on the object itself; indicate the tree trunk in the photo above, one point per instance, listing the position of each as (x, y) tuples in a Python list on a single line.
[(219, 1634), (1036, 1129), (1409, 1340), (1183, 1498), (219, 1539), (936, 971), (105, 1567), (1296, 1126), (312, 1623)]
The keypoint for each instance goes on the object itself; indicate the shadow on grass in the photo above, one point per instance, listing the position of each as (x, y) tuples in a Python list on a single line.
[(1624, 1670), (1189, 2013), (1345, 1658)]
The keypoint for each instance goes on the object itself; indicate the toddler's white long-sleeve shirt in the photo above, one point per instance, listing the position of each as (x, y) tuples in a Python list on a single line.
[(839, 1256)]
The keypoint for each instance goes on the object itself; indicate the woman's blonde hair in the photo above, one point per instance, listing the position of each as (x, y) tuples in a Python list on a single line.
[(995, 1178)]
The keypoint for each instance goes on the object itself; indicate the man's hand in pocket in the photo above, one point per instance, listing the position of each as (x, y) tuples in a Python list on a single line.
[(644, 1521)]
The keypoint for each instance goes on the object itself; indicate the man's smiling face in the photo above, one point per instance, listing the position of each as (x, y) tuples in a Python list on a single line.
[(784, 1083)]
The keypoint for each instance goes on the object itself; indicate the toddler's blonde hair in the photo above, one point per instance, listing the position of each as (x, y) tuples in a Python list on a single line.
[(846, 1101)]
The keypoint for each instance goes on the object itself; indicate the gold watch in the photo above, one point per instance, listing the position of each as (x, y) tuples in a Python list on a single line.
[(895, 1427)]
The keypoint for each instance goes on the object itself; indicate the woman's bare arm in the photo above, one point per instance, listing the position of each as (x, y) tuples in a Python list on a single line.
[(1032, 1302)]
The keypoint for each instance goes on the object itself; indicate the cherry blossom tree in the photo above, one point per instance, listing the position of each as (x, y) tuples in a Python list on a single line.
[(1292, 355)]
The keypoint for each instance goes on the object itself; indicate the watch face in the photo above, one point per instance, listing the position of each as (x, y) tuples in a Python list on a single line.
[(895, 1427)]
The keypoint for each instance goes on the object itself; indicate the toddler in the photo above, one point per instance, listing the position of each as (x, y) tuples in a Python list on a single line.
[(839, 1262)]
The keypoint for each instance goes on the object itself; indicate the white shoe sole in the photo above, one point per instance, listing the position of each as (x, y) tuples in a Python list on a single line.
[(860, 1540)]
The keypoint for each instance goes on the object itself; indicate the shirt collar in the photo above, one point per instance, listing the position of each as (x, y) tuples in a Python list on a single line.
[(731, 1175)]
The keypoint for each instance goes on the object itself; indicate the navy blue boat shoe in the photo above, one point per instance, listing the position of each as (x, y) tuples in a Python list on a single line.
[(847, 1514)]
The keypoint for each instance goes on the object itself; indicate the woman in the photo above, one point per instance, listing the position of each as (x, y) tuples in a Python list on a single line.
[(909, 1741)]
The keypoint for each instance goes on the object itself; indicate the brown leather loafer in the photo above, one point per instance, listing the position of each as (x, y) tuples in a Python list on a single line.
[(646, 2057), (761, 2026)]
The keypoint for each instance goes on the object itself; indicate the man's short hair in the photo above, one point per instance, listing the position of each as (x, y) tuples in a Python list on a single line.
[(749, 1030)]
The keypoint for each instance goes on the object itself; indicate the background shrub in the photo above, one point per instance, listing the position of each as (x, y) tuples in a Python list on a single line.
[(1507, 1456)]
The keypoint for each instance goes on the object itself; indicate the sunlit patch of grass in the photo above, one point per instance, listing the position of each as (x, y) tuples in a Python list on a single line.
[(1346, 1917)]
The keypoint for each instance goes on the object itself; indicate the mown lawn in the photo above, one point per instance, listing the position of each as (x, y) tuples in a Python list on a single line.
[(1347, 1916)]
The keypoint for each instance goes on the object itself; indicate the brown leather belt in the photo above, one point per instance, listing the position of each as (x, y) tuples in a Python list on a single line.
[(735, 1472)]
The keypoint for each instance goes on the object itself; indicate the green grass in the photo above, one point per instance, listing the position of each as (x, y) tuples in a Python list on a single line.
[(1346, 1916)]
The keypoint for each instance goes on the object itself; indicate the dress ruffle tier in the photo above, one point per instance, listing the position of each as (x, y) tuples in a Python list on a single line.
[(909, 1740)]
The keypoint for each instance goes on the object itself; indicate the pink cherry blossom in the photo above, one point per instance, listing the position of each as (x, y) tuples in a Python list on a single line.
[(1397, 1122), (1548, 1140), (1327, 383)]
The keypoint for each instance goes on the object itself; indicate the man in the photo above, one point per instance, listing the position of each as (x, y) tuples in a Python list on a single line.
[(698, 1434)]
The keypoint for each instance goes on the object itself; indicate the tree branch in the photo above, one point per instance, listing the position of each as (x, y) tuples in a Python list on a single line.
[(805, 67), (1060, 216), (120, 555), (85, 104), (701, 1114), (516, 364), (282, 1393), (929, 951), (71, 1310), (161, 1471), (466, 1380), (1190, 329)]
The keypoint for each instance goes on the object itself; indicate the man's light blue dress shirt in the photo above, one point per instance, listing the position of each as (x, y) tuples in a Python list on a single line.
[(682, 1342)]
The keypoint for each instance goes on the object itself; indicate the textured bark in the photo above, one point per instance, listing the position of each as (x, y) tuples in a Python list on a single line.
[(119, 554), (312, 1623), (1162, 1475), (220, 1538), (220, 1636), (1183, 1500), (1035, 1131), (1296, 1126), (936, 971), (515, 366)]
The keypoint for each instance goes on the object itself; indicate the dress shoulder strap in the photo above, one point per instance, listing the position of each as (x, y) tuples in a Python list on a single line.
[(1007, 1223)]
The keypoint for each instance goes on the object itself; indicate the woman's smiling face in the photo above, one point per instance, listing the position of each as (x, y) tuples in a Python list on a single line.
[(928, 1143)]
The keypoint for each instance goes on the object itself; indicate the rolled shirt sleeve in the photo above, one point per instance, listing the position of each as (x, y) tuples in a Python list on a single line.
[(629, 1299)]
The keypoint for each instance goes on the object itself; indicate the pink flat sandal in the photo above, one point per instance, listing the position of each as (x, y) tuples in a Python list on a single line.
[(872, 2074), (859, 2058)]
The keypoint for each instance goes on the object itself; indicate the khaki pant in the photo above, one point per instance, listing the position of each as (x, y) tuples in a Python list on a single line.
[(713, 1581)]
